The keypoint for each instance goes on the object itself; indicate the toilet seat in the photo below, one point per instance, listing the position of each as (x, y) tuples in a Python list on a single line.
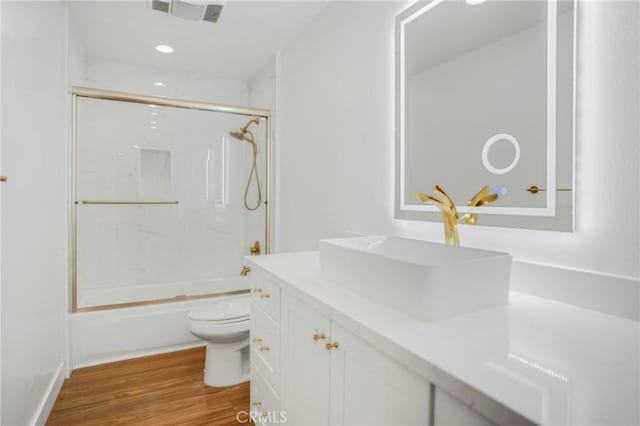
[(222, 312)]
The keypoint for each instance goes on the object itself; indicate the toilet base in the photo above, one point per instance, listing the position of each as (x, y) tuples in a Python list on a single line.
[(226, 366)]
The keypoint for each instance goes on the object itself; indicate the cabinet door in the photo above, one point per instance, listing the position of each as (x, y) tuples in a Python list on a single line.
[(449, 411), (305, 361), (369, 388)]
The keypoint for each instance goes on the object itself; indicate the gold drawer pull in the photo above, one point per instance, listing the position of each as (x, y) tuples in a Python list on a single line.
[(257, 339), (330, 346), (264, 348), (319, 336), (3, 178), (265, 296), (256, 403), (257, 290)]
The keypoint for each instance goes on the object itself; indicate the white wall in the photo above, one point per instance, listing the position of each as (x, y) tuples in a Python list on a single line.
[(34, 237), (336, 140)]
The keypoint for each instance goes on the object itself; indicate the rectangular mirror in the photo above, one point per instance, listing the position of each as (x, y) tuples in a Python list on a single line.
[(485, 97)]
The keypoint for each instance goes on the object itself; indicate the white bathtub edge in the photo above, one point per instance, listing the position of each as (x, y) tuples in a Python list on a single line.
[(114, 335), (140, 354)]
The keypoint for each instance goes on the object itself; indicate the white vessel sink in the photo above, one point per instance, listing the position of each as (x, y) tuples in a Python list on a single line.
[(427, 281)]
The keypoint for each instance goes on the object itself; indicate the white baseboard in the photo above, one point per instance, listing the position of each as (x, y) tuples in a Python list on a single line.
[(607, 293), (50, 396)]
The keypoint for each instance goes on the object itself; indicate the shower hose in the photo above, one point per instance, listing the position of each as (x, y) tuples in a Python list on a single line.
[(253, 174)]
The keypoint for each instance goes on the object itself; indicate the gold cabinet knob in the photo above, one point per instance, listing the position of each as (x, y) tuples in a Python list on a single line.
[(257, 290), (265, 296), (264, 348), (3, 178), (257, 339), (256, 403), (332, 345), (319, 336)]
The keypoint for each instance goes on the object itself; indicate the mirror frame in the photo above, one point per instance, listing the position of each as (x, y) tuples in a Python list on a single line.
[(521, 217)]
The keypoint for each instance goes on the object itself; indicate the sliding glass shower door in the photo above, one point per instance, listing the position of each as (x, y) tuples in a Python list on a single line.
[(159, 202)]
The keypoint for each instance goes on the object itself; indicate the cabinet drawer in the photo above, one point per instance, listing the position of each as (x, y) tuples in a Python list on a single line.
[(265, 404), (266, 294), (265, 345)]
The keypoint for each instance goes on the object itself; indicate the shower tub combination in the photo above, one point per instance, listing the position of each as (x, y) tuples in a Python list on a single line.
[(161, 217)]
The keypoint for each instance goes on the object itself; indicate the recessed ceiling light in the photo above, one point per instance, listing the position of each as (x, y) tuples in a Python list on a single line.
[(153, 127), (474, 2), (163, 48), (159, 84)]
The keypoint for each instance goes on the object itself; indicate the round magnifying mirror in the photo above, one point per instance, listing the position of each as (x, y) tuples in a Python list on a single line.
[(500, 153)]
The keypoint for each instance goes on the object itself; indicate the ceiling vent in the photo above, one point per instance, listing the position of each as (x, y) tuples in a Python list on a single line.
[(193, 10)]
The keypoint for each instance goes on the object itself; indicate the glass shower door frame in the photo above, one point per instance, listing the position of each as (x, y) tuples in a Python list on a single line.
[(85, 92)]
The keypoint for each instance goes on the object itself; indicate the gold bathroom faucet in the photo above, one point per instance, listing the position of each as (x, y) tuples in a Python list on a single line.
[(480, 199), (450, 213)]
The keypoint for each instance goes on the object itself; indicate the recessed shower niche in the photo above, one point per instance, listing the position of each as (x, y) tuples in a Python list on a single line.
[(154, 169)]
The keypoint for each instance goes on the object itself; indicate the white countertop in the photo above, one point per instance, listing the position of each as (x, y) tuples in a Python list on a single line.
[(553, 363)]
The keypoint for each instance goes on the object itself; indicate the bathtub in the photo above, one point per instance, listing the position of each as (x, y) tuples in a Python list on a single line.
[(111, 335)]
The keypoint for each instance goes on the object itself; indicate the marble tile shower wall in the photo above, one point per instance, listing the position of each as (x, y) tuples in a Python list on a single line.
[(136, 152)]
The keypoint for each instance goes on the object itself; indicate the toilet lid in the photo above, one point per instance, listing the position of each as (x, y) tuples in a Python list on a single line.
[(224, 310)]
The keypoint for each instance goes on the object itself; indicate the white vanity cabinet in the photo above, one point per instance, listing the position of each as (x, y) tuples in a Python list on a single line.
[(305, 379), (334, 378), (369, 388), (312, 371), (265, 348)]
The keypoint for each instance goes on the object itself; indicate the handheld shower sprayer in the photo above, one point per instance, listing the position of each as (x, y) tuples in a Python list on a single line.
[(244, 134)]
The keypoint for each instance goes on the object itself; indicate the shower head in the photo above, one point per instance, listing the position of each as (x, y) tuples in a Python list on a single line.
[(240, 134)]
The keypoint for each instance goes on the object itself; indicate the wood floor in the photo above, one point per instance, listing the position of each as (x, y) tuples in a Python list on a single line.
[(162, 389)]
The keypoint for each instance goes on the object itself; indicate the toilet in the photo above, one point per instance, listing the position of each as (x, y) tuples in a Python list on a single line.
[(224, 325)]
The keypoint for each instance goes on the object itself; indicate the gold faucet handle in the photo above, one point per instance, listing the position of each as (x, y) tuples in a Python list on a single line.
[(427, 198), (480, 195), (255, 249), (443, 194)]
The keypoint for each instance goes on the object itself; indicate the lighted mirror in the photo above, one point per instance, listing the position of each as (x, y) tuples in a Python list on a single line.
[(485, 97)]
